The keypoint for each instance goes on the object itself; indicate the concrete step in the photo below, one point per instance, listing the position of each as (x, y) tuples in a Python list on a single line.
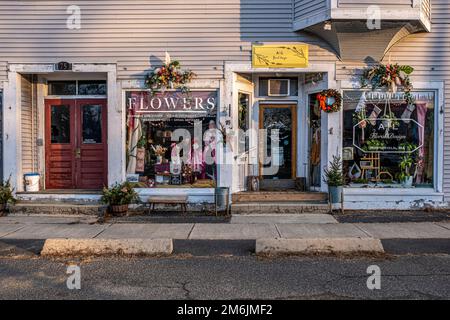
[(60, 197), (278, 207), (279, 196), (57, 208)]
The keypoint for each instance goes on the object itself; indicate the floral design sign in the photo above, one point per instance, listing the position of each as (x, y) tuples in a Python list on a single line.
[(280, 56)]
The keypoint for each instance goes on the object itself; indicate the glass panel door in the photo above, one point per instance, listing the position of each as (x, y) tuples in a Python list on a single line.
[(278, 154)]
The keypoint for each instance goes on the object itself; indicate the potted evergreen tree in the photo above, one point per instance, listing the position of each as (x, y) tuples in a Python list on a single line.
[(334, 178), (118, 197)]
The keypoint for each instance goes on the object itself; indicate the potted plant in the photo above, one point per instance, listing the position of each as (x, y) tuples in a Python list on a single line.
[(334, 178), (118, 197), (160, 151), (6, 195)]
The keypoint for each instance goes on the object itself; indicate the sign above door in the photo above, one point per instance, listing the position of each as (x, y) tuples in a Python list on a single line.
[(280, 56)]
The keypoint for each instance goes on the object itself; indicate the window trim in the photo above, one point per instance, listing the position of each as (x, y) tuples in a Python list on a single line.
[(438, 166)]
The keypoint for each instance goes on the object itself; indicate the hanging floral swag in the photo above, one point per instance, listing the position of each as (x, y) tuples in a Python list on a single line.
[(330, 100), (389, 76), (169, 76)]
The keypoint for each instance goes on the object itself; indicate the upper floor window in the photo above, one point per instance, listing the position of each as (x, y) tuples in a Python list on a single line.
[(80, 87)]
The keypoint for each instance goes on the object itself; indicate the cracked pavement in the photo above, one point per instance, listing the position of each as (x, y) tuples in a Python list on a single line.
[(227, 277)]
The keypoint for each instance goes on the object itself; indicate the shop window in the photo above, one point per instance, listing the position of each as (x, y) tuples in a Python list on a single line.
[(278, 86), (172, 139), (386, 142), (62, 88), (92, 87)]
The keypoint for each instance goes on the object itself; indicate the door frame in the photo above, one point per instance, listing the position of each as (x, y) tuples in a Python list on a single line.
[(293, 108), (75, 112)]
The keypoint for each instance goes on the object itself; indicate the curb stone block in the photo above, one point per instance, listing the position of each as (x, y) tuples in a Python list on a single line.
[(319, 245), (87, 247)]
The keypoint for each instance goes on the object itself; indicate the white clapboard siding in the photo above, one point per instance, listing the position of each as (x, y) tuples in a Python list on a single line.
[(28, 126), (304, 9), (202, 34)]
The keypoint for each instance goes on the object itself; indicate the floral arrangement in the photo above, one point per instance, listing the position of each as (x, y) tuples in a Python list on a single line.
[(119, 194), (169, 75), (330, 100), (389, 76), (159, 150)]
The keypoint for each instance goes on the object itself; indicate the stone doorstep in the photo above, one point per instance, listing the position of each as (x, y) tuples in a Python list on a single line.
[(279, 207)]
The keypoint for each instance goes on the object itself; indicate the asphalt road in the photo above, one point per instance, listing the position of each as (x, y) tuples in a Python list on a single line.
[(227, 277)]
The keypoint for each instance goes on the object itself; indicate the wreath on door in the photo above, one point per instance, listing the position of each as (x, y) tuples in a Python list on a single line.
[(330, 100)]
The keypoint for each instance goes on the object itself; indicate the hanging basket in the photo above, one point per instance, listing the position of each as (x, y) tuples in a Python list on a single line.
[(330, 100)]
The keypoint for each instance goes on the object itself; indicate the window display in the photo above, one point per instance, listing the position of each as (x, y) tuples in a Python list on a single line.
[(172, 139), (387, 142)]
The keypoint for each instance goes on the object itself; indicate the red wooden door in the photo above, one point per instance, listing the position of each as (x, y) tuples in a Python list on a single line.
[(76, 148), (60, 144), (91, 152)]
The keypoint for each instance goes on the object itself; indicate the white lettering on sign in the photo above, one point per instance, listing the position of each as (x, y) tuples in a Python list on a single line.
[(196, 101)]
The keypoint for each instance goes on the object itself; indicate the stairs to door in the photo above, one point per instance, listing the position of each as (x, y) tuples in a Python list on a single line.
[(264, 202)]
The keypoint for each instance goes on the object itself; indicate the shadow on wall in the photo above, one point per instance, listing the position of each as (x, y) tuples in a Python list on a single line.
[(272, 21)]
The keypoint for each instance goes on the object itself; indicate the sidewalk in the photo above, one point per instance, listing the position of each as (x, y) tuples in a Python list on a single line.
[(239, 228)]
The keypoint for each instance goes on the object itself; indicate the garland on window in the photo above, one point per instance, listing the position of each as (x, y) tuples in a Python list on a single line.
[(169, 76), (389, 76), (330, 100)]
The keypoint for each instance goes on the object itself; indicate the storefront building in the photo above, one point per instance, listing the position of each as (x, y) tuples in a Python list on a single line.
[(77, 111)]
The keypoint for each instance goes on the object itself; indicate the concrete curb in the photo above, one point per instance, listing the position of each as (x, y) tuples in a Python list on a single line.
[(97, 247), (318, 245)]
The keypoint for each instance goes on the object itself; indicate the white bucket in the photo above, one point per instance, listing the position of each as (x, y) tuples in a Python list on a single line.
[(31, 182)]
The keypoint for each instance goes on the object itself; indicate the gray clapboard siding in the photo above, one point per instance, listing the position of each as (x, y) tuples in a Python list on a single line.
[(135, 34), (306, 8)]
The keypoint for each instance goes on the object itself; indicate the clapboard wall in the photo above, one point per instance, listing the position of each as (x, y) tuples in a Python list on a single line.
[(202, 34)]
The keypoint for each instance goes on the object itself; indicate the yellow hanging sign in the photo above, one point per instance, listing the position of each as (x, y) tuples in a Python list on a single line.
[(280, 56)]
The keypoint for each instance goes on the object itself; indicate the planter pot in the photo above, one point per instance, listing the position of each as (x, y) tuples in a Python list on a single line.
[(407, 183), (118, 210), (335, 194), (222, 195), (386, 123)]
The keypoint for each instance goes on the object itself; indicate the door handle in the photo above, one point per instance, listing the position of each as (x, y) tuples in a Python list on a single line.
[(77, 153)]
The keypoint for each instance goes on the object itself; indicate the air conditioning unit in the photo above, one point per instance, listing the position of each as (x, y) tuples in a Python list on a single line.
[(279, 87)]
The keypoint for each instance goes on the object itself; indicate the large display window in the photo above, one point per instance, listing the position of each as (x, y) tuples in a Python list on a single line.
[(388, 143), (172, 139)]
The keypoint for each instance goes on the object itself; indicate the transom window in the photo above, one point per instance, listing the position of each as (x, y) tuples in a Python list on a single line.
[(77, 87)]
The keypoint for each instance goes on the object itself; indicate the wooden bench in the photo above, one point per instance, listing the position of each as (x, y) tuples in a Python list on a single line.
[(181, 200)]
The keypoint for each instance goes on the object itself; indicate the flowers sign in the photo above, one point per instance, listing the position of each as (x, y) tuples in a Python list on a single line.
[(329, 100), (389, 76), (169, 76)]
